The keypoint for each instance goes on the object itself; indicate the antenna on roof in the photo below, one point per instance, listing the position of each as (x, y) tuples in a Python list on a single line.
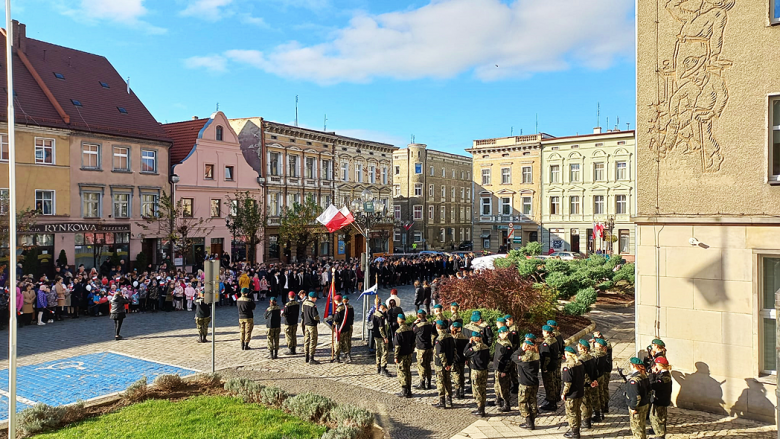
[(296, 110), (537, 123), (617, 125), (628, 126), (511, 131), (412, 139), (128, 85), (325, 123), (607, 123), (217, 106)]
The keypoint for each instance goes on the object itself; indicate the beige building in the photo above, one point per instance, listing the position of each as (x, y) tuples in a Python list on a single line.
[(587, 181), (708, 214), (507, 182), (432, 199)]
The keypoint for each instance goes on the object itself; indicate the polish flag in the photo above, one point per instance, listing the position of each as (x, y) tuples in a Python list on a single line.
[(332, 219), (348, 218)]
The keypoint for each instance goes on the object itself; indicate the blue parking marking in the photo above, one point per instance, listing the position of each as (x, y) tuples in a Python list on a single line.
[(4, 407), (83, 377)]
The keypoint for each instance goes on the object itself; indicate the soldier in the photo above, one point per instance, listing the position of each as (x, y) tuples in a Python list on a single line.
[(600, 399), (656, 349), (343, 321), (573, 376), (273, 321), (444, 358), (661, 384), (455, 314), (403, 340), (246, 317), (478, 354), (423, 332), (477, 326), (637, 397), (380, 332), (311, 318), (514, 338), (458, 365), (604, 384), (527, 360), (550, 358), (561, 344), (291, 312), (202, 318), (438, 314), (589, 400), (502, 363)]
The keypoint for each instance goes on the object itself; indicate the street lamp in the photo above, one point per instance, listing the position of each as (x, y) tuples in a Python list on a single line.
[(610, 225)]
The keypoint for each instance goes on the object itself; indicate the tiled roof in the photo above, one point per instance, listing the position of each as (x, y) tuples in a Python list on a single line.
[(89, 79), (184, 135)]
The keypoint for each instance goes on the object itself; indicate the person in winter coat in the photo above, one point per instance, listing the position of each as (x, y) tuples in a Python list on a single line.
[(28, 305), (41, 303), (118, 304)]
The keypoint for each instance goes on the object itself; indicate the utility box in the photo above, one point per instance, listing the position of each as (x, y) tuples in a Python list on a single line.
[(211, 281)]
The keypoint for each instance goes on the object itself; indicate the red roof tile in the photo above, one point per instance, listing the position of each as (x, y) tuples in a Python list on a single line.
[(184, 135)]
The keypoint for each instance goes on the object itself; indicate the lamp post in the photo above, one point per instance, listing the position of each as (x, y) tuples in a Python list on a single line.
[(610, 225)]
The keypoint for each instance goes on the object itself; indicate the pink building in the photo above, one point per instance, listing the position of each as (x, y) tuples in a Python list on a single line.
[(211, 168)]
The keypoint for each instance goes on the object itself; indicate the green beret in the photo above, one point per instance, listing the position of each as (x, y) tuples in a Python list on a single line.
[(570, 350), (501, 320), (437, 306), (400, 317), (659, 342), (530, 336), (552, 323), (508, 317), (601, 341), (476, 316), (456, 325), (272, 299), (312, 294), (529, 342), (455, 304), (503, 329), (546, 328), (476, 334), (584, 343), (245, 291), (635, 360), (420, 311), (440, 323)]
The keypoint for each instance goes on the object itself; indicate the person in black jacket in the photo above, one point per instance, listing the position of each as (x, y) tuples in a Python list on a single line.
[(478, 354), (603, 368), (459, 363), (573, 379), (311, 318), (637, 397), (403, 340), (419, 295), (290, 313), (393, 311), (343, 320), (202, 318), (590, 401), (527, 360), (661, 384), (380, 332), (502, 363), (550, 353), (246, 317), (444, 358), (423, 332), (273, 321)]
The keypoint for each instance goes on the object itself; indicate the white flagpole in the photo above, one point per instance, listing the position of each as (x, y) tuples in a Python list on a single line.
[(9, 54)]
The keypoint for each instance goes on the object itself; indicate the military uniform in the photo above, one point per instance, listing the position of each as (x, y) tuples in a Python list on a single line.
[(273, 322), (528, 379), (550, 357), (514, 338), (443, 359), (661, 384), (637, 398), (604, 386), (202, 319), (246, 319), (573, 378), (424, 348), (403, 340), (311, 318), (290, 313), (502, 364), (557, 378), (600, 400), (454, 317), (380, 331), (590, 400), (344, 320), (458, 365), (479, 358)]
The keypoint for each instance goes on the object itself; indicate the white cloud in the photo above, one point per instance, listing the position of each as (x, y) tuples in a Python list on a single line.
[(212, 63), (255, 21), (126, 12), (211, 10), (445, 38)]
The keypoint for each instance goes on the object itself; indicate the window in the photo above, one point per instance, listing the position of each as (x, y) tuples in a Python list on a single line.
[(311, 167), (417, 236), (432, 171), (122, 110), (574, 172), (624, 241), (430, 191), (418, 168), (418, 189), (506, 176), (273, 204), (149, 205), (208, 174), (452, 194), (148, 161), (44, 151), (485, 177), (397, 170), (443, 214), (372, 174), (468, 214), (527, 206), (462, 216), (397, 212), (453, 174), (598, 204), (384, 174), (121, 205), (528, 176), (505, 205), (468, 193), (468, 234), (555, 205), (219, 132), (574, 205), (359, 172), (76, 103), (774, 156), (59, 75), (461, 235), (770, 283), (462, 174), (229, 173), (345, 171), (468, 175), (775, 12), (598, 172), (90, 204), (90, 156), (273, 164), (44, 202), (186, 207), (293, 165), (431, 210), (327, 170), (555, 173), (442, 235), (462, 194), (234, 207), (487, 206), (121, 158), (443, 173), (396, 190), (215, 208), (3, 146), (396, 235), (443, 192), (621, 204), (621, 171), (418, 213)]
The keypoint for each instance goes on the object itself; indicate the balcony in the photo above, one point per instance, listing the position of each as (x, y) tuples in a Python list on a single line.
[(310, 182), (274, 179), (518, 218), (274, 221), (293, 181), (326, 183)]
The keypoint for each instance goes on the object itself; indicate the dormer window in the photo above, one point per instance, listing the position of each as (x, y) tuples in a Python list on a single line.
[(219, 132), (104, 84), (76, 102), (59, 76)]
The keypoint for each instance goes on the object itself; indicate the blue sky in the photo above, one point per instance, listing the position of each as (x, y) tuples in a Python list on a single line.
[(447, 71)]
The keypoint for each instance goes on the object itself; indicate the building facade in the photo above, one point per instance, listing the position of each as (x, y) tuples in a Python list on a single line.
[(588, 180), (361, 165), (708, 215), (432, 199), (507, 183)]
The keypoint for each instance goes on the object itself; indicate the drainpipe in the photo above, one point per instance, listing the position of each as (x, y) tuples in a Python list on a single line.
[(777, 358)]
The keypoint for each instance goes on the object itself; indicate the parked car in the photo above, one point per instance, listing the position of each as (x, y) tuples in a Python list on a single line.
[(466, 245), (566, 256)]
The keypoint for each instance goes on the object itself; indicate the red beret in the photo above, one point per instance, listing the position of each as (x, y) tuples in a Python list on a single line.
[(338, 297), (661, 360)]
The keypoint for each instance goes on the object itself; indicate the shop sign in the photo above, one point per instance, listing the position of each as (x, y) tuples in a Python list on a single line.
[(77, 228), (341, 247)]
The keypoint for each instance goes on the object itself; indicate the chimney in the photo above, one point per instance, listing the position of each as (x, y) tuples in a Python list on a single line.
[(20, 36), (597, 130), (194, 117)]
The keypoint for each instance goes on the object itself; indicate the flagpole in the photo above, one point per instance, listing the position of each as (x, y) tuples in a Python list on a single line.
[(332, 299)]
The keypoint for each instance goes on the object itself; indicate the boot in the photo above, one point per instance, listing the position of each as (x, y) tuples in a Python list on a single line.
[(572, 434), (200, 338), (529, 423), (449, 401), (596, 417), (349, 358), (386, 373), (496, 403), (481, 412), (379, 369), (243, 346), (420, 385), (409, 391), (441, 404), (205, 340), (428, 384), (307, 358), (276, 354), (313, 361), (586, 425), (549, 407), (293, 351), (402, 393), (504, 407), (289, 352), (246, 346), (337, 358), (605, 409)]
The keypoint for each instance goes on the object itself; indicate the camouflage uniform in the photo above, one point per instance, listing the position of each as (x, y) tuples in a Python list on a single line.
[(480, 353), (502, 365), (573, 405), (203, 325), (458, 367), (513, 331), (558, 385), (443, 376), (246, 325), (548, 367), (597, 394), (424, 357), (404, 361), (273, 338), (604, 382), (291, 336), (590, 398), (310, 339), (658, 420), (638, 399), (310, 320), (479, 380), (345, 333)]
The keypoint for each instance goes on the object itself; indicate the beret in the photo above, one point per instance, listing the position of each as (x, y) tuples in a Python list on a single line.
[(291, 294), (272, 299), (501, 319), (552, 323), (584, 342), (601, 341), (508, 317), (456, 325), (440, 322), (420, 311), (400, 317), (546, 328), (529, 342), (476, 313), (454, 304), (570, 350), (635, 360), (337, 297), (475, 317), (437, 306), (503, 329), (659, 342), (476, 334), (312, 294), (662, 360), (529, 335)]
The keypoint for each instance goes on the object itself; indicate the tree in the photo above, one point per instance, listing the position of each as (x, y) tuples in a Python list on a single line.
[(62, 259), (31, 264), (25, 218), (248, 220), (140, 261), (298, 226), (175, 224)]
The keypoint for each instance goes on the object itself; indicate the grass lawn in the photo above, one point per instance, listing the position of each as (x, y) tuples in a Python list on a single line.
[(202, 417)]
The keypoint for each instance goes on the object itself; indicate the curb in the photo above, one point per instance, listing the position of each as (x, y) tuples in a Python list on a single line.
[(574, 338), (622, 306)]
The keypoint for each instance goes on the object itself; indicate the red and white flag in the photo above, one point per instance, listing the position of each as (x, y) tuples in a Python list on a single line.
[(348, 218), (332, 219)]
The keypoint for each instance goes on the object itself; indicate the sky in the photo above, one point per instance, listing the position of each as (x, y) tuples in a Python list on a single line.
[(444, 72)]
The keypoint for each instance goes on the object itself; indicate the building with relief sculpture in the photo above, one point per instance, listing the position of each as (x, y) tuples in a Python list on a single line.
[(708, 200)]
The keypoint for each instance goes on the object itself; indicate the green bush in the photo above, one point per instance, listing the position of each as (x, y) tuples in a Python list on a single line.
[(246, 389), (137, 391), (532, 249), (582, 302), (626, 273), (606, 285), (341, 432), (273, 396), (348, 415), (169, 383), (309, 406), (141, 262)]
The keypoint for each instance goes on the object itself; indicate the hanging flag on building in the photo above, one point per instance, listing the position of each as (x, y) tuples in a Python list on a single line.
[(334, 219)]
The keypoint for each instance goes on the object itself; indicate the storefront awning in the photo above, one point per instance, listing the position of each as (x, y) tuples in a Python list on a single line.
[(485, 235)]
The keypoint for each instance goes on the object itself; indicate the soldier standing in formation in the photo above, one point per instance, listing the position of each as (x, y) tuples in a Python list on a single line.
[(514, 338), (380, 332), (455, 314), (527, 360), (589, 398), (273, 321), (202, 318), (343, 320), (550, 356), (661, 384), (478, 354), (246, 317), (438, 314), (638, 398), (424, 348), (291, 312), (444, 358), (311, 318), (561, 344), (604, 384), (459, 362), (403, 340), (502, 363), (573, 376), (600, 398)]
